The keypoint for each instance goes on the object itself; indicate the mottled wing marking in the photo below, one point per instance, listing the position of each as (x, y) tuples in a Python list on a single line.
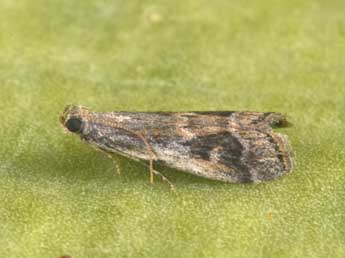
[(228, 146)]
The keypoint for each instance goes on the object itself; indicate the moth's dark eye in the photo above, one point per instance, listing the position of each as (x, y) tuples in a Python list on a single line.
[(73, 125)]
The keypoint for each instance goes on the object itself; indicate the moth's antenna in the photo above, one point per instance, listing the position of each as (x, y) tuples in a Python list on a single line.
[(115, 125)]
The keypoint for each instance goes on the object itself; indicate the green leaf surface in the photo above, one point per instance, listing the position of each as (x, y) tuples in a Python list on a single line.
[(59, 197)]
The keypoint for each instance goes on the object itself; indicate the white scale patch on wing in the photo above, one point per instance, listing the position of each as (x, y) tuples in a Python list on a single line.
[(121, 118)]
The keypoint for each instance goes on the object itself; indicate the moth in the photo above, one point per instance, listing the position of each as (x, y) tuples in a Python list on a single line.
[(229, 146)]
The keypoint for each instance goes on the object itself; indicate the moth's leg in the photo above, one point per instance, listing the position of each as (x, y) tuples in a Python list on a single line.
[(150, 153), (115, 161), (172, 187), (153, 171), (148, 146)]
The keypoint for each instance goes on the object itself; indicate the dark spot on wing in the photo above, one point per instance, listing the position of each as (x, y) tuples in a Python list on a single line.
[(230, 155)]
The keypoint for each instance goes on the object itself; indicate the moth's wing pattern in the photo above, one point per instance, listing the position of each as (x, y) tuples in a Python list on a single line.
[(227, 146)]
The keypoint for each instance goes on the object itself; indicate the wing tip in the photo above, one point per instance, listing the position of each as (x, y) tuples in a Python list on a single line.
[(277, 120)]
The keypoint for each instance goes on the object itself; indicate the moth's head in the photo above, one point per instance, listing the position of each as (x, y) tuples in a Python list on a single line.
[(74, 118)]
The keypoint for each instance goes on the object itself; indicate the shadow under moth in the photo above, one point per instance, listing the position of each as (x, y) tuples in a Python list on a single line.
[(220, 145)]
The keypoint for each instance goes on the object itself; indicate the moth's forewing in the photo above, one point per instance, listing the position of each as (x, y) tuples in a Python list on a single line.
[(227, 146)]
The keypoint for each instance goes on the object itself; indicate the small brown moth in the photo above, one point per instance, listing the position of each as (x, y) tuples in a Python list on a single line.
[(227, 146)]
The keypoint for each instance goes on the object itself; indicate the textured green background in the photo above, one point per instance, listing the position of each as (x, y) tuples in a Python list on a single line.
[(59, 196)]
